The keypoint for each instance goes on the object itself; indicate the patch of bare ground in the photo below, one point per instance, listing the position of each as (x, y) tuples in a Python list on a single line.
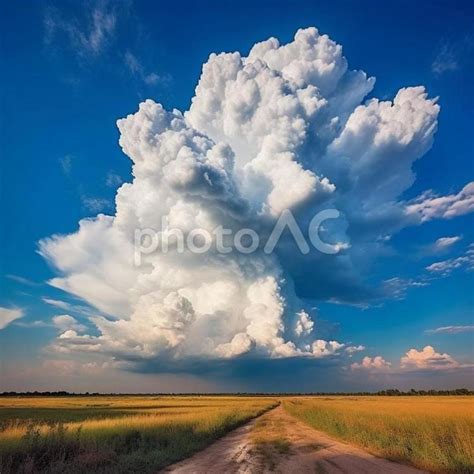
[(278, 443)]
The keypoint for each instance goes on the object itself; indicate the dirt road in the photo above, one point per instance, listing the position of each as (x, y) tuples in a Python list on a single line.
[(278, 442)]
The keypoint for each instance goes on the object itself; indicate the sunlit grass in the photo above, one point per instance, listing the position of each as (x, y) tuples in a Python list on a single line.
[(142, 434), (432, 433)]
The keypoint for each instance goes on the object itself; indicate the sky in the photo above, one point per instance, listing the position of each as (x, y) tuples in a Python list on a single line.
[(114, 115)]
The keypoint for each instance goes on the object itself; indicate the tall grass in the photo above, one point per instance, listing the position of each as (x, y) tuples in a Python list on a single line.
[(432, 433), (154, 433)]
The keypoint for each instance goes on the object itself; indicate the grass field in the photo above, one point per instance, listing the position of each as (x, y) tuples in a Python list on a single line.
[(432, 433), (114, 434), (142, 434)]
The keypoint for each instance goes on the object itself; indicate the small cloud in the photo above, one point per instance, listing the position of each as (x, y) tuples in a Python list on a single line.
[(137, 69), (152, 79), (32, 324), (430, 206), (321, 348), (22, 280), (304, 324), (95, 204), (66, 164), (445, 60), (87, 35), (113, 180), (445, 242), (57, 303), (450, 56), (446, 267), (74, 308), (8, 315), (440, 246), (132, 63), (65, 323), (450, 329), (354, 349), (396, 288), (377, 363), (428, 359)]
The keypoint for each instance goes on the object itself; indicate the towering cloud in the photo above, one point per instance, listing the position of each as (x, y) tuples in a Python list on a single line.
[(284, 128)]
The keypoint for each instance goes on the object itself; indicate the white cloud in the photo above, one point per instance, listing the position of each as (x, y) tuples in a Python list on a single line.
[(7, 315), (445, 243), (95, 204), (88, 36), (57, 303), (283, 128), (321, 348), (64, 322), (137, 69), (377, 363), (452, 56), (66, 164), (446, 267), (74, 308), (397, 287), (304, 324), (354, 349), (427, 359), (241, 343), (445, 60), (113, 180), (22, 280), (450, 329), (429, 206)]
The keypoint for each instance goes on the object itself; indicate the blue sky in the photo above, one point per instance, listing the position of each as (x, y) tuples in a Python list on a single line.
[(66, 81)]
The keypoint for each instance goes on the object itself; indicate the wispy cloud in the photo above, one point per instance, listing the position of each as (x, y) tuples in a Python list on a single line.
[(32, 324), (446, 267), (444, 243), (440, 246), (137, 69), (430, 205), (450, 55), (113, 180), (88, 35), (22, 280), (8, 315), (65, 322), (354, 349), (397, 287), (66, 164), (446, 59), (95, 204), (450, 329), (72, 308)]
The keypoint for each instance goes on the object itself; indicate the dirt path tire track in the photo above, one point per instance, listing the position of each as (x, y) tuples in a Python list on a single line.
[(310, 451)]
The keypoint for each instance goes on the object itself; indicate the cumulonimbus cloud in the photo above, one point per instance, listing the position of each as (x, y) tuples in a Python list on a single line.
[(283, 128)]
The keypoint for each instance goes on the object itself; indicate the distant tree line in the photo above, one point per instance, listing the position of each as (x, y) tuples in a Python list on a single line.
[(392, 392)]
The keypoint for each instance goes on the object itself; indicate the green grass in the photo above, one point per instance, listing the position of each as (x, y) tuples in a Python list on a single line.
[(432, 433)]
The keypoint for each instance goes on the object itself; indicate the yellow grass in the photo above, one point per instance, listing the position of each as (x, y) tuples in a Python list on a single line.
[(144, 433), (432, 433)]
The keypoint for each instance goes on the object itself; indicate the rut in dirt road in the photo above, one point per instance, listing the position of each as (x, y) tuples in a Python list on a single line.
[(278, 442)]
